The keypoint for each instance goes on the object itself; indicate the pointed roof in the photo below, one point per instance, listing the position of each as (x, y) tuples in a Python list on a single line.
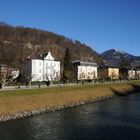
[(49, 56)]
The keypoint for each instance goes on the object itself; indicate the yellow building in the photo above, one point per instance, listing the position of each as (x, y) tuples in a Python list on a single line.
[(105, 72), (113, 73)]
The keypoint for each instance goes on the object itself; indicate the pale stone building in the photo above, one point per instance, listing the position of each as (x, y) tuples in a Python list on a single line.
[(138, 74), (46, 69), (131, 74), (105, 72), (134, 74), (84, 70), (113, 73)]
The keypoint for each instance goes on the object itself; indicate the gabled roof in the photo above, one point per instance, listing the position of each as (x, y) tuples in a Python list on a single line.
[(48, 56), (45, 56)]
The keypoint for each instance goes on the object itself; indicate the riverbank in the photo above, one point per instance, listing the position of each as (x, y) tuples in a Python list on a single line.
[(23, 103)]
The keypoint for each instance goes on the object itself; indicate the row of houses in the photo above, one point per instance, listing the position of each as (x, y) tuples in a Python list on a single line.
[(48, 69)]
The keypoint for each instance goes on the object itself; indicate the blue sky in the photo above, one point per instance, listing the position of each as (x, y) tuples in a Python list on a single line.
[(101, 24)]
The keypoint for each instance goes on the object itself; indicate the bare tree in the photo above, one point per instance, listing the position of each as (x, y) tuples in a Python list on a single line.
[(5, 75)]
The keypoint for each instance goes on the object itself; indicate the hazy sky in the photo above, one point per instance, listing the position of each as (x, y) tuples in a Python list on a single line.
[(101, 24)]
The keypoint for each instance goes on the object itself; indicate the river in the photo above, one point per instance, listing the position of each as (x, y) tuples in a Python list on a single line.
[(114, 119)]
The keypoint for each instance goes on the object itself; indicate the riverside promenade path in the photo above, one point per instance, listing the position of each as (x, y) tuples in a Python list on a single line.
[(23, 87)]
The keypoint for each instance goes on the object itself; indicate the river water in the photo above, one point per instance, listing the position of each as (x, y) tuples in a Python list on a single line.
[(114, 119)]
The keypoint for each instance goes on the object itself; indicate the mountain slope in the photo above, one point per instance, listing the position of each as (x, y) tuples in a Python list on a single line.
[(115, 57), (18, 43)]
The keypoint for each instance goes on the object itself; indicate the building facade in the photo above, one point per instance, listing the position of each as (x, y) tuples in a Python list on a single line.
[(134, 74), (105, 72), (46, 69), (131, 74), (113, 73), (138, 74), (84, 70)]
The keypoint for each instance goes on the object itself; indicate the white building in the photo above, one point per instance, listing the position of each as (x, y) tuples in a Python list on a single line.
[(85, 70), (131, 74), (138, 73), (46, 69)]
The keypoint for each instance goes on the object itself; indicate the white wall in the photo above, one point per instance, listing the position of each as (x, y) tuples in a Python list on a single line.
[(87, 72), (51, 70), (131, 74), (37, 70), (138, 74)]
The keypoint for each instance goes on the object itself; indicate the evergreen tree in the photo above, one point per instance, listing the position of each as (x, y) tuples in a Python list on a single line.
[(67, 71)]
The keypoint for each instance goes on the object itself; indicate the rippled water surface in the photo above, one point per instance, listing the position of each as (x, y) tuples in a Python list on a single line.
[(114, 119)]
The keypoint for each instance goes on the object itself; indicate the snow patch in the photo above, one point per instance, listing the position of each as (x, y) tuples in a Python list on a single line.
[(120, 51)]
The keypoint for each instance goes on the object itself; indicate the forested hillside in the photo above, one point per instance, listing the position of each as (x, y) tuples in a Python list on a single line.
[(19, 43)]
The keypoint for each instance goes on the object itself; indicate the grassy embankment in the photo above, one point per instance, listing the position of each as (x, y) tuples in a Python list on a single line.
[(28, 100)]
